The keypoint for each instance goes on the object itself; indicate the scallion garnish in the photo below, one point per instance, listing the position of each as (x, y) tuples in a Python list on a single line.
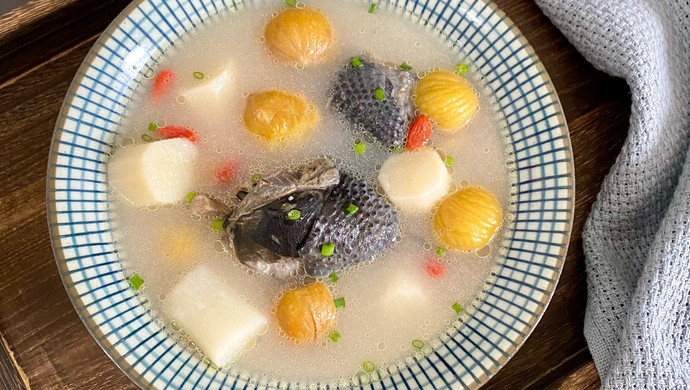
[(457, 307), (356, 62), (463, 68), (398, 149), (360, 147), (339, 302), (405, 66), (333, 277), (291, 3), (335, 336), (153, 126), (190, 196), (379, 94), (368, 366), (351, 209), (418, 344), (198, 75), (218, 225), (372, 8), (440, 251), (294, 215), (146, 138), (327, 249), (136, 281), (256, 178), (448, 161)]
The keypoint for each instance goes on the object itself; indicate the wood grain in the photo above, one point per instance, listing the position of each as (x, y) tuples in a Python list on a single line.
[(39, 323), (42, 29), (11, 375)]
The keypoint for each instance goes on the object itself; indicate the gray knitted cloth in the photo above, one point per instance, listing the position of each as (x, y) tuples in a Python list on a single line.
[(637, 237)]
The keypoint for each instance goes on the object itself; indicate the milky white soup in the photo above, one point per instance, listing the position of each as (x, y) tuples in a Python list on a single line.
[(392, 301)]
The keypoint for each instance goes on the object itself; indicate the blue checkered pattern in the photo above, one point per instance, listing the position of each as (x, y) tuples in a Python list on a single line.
[(488, 334)]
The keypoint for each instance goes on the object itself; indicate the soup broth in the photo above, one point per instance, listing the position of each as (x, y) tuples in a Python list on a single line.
[(390, 301)]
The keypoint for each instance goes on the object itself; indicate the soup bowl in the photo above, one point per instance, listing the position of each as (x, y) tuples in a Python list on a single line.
[(533, 242)]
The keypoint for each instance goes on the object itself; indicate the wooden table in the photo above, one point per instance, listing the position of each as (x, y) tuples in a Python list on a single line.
[(45, 345)]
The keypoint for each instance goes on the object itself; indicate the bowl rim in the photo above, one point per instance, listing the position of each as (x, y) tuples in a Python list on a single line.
[(94, 329)]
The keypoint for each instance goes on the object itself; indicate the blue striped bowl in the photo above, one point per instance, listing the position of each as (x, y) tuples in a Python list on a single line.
[(497, 323)]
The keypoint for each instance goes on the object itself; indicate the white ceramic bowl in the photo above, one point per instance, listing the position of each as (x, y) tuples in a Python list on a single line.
[(533, 245)]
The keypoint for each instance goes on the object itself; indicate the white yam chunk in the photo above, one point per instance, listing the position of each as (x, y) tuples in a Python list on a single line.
[(404, 298), (215, 317), (154, 173), (414, 181), (209, 96)]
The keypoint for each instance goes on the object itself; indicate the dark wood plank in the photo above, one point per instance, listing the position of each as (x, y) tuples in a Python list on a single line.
[(11, 375), (584, 377), (42, 329), (43, 29)]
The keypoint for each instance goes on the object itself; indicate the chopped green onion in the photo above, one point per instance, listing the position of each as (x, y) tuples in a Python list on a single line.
[(380, 94), (398, 149), (463, 68), (351, 209), (190, 196), (198, 75), (327, 249), (360, 147), (294, 215), (218, 225), (335, 336), (136, 281), (153, 126), (333, 277), (356, 62), (372, 8), (449, 161), (457, 307), (146, 138), (418, 344), (440, 251), (405, 66), (256, 178), (339, 302), (368, 366), (291, 3)]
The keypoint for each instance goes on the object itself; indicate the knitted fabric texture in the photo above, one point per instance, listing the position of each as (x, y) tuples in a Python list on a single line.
[(637, 237)]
